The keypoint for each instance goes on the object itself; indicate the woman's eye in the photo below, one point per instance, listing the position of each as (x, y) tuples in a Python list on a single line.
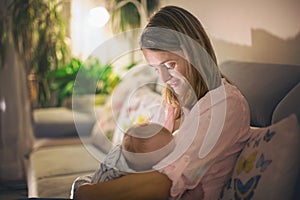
[(170, 65)]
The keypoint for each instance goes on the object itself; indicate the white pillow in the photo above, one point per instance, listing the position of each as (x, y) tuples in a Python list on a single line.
[(143, 105)]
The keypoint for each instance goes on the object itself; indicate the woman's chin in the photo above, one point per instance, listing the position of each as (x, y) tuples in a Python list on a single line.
[(177, 91)]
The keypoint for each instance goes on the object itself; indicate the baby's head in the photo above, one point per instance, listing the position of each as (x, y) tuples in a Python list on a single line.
[(145, 138), (146, 144)]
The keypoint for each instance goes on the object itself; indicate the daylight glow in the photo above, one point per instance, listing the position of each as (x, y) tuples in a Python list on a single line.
[(98, 17)]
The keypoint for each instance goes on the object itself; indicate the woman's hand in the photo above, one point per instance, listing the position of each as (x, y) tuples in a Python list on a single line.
[(150, 185)]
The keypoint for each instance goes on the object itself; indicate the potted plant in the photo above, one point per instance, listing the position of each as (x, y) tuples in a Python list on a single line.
[(39, 37), (131, 14), (91, 71)]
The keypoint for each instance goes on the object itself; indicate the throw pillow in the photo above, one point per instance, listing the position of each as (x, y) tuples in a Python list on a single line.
[(109, 113), (141, 105), (268, 166)]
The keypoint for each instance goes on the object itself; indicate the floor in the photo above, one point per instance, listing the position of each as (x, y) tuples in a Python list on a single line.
[(13, 190)]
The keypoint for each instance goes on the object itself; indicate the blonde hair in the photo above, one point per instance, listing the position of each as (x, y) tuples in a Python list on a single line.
[(179, 20)]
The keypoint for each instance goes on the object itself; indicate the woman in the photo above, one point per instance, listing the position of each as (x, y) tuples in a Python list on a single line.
[(208, 116)]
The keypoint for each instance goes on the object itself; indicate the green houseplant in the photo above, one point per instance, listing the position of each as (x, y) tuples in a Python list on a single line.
[(39, 37), (131, 14), (92, 71)]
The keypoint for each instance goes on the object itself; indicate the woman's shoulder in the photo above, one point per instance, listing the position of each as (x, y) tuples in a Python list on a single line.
[(234, 96), (226, 93), (225, 97)]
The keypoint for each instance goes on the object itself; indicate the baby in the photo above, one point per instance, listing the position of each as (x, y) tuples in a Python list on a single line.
[(143, 146)]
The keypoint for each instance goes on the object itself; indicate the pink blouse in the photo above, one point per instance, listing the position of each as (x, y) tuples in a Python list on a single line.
[(208, 142)]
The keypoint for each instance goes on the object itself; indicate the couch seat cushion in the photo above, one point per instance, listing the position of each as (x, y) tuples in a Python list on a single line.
[(56, 187), (64, 160)]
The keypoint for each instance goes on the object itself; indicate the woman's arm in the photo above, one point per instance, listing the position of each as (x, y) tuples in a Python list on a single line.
[(150, 185)]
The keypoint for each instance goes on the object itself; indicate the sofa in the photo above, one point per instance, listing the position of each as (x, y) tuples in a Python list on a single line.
[(267, 168)]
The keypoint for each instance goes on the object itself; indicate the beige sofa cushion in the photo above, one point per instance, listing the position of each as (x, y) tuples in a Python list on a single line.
[(64, 160), (57, 187), (52, 170)]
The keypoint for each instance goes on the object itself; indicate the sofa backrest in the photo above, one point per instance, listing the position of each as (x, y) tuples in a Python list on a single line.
[(269, 88)]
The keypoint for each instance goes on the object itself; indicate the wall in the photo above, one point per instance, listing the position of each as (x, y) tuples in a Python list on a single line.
[(259, 31), (86, 37), (262, 31), (90, 41)]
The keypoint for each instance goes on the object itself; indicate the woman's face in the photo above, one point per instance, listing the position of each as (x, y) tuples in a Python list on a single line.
[(171, 68)]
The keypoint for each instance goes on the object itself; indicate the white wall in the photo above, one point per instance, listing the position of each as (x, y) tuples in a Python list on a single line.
[(86, 37)]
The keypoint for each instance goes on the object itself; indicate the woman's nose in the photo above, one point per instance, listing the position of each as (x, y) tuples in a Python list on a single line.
[(164, 74)]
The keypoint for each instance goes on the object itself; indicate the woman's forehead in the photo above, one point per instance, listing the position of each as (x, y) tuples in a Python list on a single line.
[(157, 57)]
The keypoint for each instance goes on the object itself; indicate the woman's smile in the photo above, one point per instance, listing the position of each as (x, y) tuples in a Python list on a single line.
[(177, 85), (173, 83)]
